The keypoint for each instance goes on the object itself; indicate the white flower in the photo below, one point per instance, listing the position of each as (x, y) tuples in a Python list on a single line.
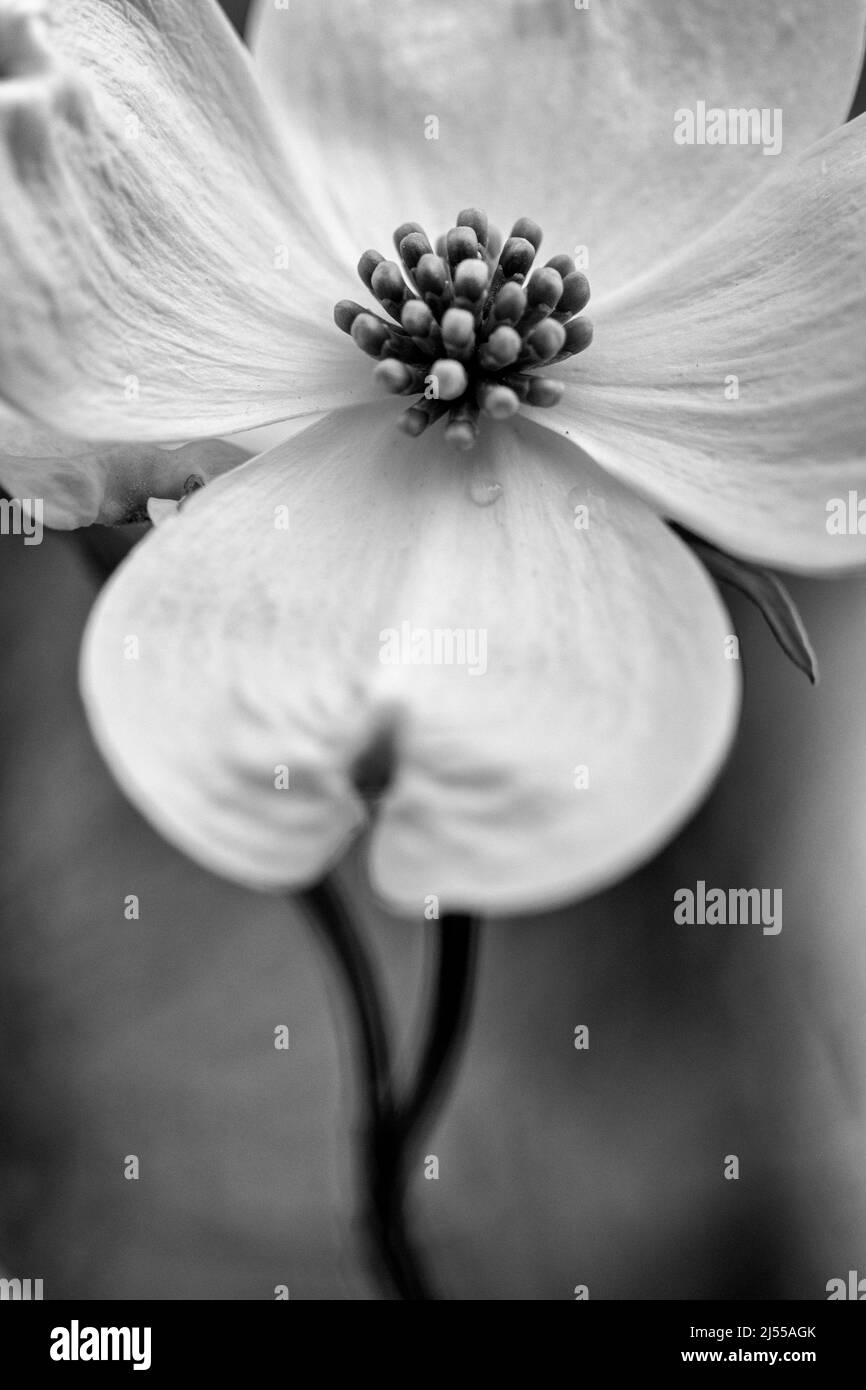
[(170, 257)]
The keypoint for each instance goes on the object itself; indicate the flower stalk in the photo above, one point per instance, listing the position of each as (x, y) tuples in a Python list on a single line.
[(392, 1127)]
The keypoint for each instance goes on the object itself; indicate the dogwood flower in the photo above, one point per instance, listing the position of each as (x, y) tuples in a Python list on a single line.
[(507, 644)]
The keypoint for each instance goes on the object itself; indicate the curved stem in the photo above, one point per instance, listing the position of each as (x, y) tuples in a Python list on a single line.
[(457, 958), (456, 947), (389, 1242), (390, 1245), (391, 1129), (330, 916)]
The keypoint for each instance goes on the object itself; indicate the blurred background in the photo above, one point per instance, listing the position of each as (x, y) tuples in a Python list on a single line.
[(557, 1167)]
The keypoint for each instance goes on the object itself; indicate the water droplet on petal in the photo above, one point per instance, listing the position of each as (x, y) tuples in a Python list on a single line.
[(484, 491)]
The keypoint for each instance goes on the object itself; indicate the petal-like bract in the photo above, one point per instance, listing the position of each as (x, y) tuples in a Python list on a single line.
[(522, 659), (156, 277), (730, 387), (407, 110)]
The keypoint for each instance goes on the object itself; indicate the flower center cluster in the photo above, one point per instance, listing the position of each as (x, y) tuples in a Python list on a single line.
[(467, 325)]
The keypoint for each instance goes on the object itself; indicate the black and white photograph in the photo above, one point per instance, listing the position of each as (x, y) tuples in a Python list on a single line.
[(433, 622)]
